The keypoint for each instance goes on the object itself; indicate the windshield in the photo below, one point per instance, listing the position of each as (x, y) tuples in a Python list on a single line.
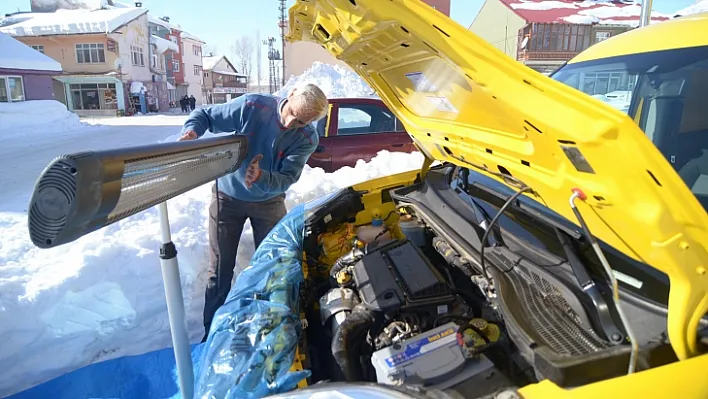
[(665, 92)]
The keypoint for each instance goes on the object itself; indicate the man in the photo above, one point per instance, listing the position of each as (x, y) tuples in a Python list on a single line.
[(280, 141)]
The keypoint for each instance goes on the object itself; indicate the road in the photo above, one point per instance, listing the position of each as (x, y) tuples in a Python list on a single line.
[(22, 158)]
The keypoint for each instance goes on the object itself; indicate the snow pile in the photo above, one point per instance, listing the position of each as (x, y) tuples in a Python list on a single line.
[(16, 55), (334, 80), (39, 116), (698, 6), (102, 296)]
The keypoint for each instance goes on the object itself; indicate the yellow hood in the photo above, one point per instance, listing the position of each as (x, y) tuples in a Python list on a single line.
[(465, 102)]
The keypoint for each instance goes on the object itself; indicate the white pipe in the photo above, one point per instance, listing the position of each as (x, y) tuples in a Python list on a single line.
[(175, 306), (645, 15)]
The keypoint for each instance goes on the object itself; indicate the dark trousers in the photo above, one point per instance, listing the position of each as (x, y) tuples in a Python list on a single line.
[(224, 236)]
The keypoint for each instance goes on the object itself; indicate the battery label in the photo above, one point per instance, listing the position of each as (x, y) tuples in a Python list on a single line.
[(423, 346)]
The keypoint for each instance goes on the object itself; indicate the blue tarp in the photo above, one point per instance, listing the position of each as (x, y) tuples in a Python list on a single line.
[(250, 347)]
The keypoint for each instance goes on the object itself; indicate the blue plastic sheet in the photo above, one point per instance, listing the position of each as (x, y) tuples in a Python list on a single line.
[(254, 334)]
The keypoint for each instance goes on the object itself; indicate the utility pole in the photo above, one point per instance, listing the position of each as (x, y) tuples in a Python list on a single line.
[(282, 23), (273, 56), (645, 13)]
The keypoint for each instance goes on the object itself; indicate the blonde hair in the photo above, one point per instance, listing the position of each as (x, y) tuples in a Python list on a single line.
[(312, 99)]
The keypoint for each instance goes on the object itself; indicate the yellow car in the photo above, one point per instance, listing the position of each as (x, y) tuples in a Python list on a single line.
[(577, 251)]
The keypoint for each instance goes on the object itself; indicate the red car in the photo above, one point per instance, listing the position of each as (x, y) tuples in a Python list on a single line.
[(357, 128)]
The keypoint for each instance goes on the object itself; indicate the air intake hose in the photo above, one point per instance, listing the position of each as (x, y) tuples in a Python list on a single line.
[(452, 257), (347, 340)]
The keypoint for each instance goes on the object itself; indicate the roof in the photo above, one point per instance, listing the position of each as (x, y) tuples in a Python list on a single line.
[(16, 55), (608, 12), (230, 73), (74, 22), (699, 6), (165, 24), (163, 44), (208, 63), (684, 32)]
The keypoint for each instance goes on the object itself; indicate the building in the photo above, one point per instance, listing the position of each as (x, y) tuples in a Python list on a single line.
[(25, 73), (165, 51), (222, 82), (544, 35), (101, 53), (300, 56), (192, 48)]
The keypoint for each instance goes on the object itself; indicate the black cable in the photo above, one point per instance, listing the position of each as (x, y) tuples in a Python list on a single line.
[(490, 227)]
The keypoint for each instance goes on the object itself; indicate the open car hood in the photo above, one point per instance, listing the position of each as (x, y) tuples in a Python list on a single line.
[(465, 102)]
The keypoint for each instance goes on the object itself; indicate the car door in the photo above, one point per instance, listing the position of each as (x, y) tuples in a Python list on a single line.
[(322, 157), (363, 129)]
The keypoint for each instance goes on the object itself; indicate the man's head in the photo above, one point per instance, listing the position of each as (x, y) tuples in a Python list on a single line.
[(305, 105)]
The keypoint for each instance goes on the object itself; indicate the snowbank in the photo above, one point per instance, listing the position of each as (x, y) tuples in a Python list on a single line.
[(101, 296), (32, 117), (334, 80)]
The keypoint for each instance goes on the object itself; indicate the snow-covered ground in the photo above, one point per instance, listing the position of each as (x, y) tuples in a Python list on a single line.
[(101, 296)]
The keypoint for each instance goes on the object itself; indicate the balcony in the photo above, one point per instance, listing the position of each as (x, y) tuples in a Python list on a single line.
[(544, 55)]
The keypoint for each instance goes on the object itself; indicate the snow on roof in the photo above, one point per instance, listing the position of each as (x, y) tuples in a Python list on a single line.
[(16, 55), (167, 25), (208, 63), (608, 12), (74, 22), (163, 44), (699, 6)]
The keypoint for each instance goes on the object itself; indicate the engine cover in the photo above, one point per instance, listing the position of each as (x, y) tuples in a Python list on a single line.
[(398, 276)]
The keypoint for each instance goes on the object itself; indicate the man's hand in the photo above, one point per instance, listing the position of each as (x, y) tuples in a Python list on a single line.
[(253, 173), (188, 135)]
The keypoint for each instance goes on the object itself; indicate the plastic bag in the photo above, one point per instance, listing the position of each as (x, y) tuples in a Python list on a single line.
[(251, 345)]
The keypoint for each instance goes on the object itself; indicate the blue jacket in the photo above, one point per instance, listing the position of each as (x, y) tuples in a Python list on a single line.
[(285, 151)]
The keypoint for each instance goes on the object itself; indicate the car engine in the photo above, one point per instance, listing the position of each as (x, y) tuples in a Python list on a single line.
[(393, 317)]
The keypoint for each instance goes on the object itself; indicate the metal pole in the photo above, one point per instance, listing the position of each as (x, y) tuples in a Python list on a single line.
[(282, 39), (175, 306), (645, 15)]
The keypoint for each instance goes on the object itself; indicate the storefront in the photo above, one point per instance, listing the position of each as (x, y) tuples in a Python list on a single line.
[(93, 95), (220, 95)]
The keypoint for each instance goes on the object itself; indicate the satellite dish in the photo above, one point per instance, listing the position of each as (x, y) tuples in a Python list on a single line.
[(524, 43), (118, 64)]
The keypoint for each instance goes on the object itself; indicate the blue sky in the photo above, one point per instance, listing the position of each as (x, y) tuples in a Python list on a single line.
[(220, 22)]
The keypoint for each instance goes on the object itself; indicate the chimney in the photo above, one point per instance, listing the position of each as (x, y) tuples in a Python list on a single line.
[(138, 4)]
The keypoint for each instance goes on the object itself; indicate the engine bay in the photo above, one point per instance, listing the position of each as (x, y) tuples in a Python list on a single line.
[(393, 301)]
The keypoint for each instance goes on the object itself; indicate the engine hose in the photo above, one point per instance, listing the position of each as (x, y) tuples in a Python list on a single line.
[(452, 257), (345, 348)]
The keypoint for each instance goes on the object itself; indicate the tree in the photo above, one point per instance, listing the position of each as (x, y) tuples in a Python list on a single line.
[(242, 50), (259, 57)]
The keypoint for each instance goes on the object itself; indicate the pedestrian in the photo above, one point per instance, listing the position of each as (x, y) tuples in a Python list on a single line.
[(280, 141), (183, 104), (192, 102)]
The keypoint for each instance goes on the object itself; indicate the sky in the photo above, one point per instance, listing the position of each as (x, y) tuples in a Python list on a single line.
[(221, 22)]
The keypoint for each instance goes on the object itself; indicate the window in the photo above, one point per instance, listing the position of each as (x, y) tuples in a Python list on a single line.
[(664, 91), (94, 96), (197, 70), (138, 55), (12, 89), (600, 36), (558, 37), (38, 47), (197, 50), (175, 65), (173, 39), (90, 53), (363, 119)]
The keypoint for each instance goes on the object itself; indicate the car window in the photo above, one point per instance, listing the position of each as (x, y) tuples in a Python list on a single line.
[(364, 119), (665, 92)]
